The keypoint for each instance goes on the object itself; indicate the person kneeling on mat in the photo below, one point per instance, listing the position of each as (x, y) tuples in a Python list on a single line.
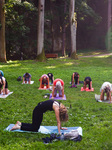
[(37, 117), (27, 77), (4, 84), (87, 81), (44, 81), (106, 88), (58, 86)]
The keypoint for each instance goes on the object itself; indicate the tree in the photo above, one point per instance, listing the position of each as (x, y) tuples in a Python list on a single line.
[(72, 29), (2, 32), (109, 24), (40, 30)]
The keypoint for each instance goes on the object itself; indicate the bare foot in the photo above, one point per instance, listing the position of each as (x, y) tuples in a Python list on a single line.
[(19, 123), (15, 127)]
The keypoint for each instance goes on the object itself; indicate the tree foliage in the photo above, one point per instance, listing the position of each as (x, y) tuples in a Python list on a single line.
[(21, 25)]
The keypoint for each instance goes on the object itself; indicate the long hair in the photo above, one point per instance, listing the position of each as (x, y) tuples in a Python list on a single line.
[(63, 113)]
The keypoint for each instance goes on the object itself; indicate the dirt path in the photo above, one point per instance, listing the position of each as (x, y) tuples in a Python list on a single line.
[(107, 54)]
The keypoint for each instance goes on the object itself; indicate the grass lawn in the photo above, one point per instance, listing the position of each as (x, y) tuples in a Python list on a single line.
[(94, 118)]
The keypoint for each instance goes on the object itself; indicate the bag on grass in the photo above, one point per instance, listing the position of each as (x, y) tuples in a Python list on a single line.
[(19, 78)]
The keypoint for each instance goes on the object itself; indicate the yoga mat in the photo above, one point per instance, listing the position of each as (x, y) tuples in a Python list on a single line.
[(45, 88), (87, 89), (47, 129), (57, 97), (31, 82), (4, 96), (73, 86), (97, 97)]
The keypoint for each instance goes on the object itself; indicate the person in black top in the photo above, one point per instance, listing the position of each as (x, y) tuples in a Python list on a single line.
[(4, 85), (87, 81), (51, 78), (51, 105), (75, 76)]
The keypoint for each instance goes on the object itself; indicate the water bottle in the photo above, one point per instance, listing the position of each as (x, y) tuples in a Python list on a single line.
[(62, 137)]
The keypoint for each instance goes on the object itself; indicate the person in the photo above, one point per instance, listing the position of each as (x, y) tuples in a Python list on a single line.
[(58, 86), (106, 88), (1, 73), (27, 78), (4, 84), (44, 81), (87, 81), (75, 76), (51, 77), (37, 117)]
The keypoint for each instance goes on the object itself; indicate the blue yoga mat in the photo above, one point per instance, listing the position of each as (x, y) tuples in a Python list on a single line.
[(48, 129)]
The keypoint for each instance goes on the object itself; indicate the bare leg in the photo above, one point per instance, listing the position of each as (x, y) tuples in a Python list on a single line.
[(6, 91), (0, 90), (102, 95)]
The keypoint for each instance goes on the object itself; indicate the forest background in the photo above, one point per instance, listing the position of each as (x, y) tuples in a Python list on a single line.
[(21, 21)]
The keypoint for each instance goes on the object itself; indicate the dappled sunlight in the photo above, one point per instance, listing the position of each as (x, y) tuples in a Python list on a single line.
[(11, 65), (50, 67), (69, 63), (102, 56)]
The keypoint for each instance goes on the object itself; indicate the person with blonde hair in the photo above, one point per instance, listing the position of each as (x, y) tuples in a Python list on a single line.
[(51, 105), (58, 86), (106, 88)]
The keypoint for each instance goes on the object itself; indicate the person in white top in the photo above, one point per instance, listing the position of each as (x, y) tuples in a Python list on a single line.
[(106, 88)]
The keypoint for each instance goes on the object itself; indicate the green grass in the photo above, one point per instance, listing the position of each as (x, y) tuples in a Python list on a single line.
[(94, 118)]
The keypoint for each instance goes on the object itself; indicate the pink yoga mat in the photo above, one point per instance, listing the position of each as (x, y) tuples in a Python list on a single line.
[(87, 89)]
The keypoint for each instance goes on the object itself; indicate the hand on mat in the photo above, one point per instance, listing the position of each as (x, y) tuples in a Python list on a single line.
[(63, 128)]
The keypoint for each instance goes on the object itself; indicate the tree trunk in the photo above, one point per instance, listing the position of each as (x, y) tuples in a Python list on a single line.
[(40, 30), (64, 30), (72, 29), (2, 33), (109, 24)]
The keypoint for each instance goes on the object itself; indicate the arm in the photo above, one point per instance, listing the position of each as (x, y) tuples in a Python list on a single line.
[(23, 79), (41, 82), (78, 79), (63, 91), (56, 109), (53, 92), (3, 85), (91, 84), (110, 96), (73, 79), (101, 96)]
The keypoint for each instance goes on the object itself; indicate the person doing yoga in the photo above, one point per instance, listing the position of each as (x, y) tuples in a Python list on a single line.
[(75, 76), (106, 88), (58, 86), (44, 81), (27, 78), (87, 81), (51, 105), (4, 85)]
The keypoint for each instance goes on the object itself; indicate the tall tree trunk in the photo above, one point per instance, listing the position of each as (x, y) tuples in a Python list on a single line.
[(40, 30), (72, 29), (2, 33), (64, 30), (109, 24)]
